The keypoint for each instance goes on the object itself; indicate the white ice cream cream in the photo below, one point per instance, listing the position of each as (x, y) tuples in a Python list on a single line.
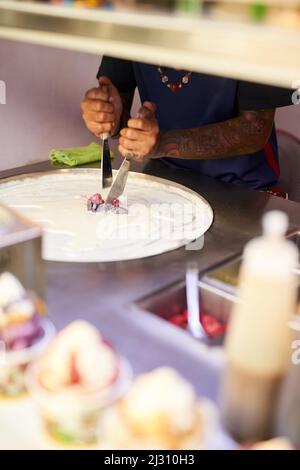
[(78, 360), (161, 401)]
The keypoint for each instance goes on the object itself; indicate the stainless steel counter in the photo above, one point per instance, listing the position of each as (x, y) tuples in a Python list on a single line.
[(102, 293)]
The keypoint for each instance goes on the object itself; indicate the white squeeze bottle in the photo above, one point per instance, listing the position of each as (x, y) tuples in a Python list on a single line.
[(258, 343)]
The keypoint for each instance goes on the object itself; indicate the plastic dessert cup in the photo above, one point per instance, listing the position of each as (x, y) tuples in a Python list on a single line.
[(73, 417), (119, 435), (13, 364)]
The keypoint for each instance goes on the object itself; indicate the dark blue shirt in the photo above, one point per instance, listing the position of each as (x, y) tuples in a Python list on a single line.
[(205, 100)]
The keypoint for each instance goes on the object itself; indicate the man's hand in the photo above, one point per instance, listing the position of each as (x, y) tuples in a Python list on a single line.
[(139, 140), (102, 108)]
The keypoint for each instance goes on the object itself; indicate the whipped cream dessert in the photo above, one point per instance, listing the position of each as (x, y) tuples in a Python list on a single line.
[(24, 333), (161, 411), (78, 361), (20, 314), (73, 382), (170, 402)]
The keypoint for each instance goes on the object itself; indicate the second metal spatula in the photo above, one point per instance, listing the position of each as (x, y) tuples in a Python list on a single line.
[(118, 187)]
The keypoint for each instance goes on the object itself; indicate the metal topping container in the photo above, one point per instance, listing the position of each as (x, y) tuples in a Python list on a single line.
[(20, 250)]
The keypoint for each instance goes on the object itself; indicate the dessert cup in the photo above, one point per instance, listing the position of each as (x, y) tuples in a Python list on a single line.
[(119, 434), (13, 364), (72, 416)]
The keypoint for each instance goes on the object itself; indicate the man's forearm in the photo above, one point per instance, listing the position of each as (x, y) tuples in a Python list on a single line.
[(242, 135)]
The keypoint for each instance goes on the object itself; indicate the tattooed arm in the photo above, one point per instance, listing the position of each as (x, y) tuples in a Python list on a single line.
[(242, 135), (245, 134)]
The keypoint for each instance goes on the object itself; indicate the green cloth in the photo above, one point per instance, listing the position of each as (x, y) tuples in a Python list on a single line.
[(74, 156)]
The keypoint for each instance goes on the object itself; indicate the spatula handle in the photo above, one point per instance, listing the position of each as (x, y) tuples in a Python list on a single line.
[(104, 135)]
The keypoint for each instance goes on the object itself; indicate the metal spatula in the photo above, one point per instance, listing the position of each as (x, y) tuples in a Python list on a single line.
[(106, 170), (119, 184)]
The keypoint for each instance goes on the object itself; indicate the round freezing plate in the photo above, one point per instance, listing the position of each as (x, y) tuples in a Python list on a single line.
[(161, 215)]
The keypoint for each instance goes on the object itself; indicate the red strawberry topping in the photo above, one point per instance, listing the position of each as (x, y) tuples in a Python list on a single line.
[(116, 203), (74, 373), (97, 198)]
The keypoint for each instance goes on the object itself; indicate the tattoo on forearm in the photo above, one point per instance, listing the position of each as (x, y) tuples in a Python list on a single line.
[(239, 136)]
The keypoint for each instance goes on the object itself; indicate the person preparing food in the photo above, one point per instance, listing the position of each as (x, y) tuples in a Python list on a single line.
[(216, 126)]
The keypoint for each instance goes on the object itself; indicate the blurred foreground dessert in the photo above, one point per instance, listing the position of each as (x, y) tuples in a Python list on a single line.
[(161, 411), (78, 376), (24, 333), (278, 443)]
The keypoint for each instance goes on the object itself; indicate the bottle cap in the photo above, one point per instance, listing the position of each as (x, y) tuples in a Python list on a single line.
[(275, 224), (271, 254)]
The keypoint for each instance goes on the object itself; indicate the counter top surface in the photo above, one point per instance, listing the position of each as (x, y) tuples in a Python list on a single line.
[(102, 292)]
